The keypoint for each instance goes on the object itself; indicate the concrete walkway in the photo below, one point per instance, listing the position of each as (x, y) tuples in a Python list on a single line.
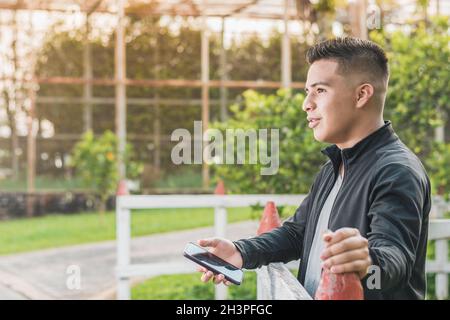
[(49, 274), (9, 294)]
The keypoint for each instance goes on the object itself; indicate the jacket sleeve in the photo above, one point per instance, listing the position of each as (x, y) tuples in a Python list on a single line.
[(282, 244), (397, 199)]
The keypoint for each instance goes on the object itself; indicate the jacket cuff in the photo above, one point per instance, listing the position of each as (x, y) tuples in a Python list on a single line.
[(241, 245)]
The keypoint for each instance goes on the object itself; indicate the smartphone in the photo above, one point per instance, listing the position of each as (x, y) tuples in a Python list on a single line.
[(213, 263)]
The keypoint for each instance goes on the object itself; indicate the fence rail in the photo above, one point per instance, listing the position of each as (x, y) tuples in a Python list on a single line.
[(274, 281), (124, 204)]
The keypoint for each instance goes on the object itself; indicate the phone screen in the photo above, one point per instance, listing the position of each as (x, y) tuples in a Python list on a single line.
[(212, 262)]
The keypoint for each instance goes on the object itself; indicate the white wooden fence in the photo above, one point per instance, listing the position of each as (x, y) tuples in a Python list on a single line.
[(440, 232), (276, 282), (275, 278), (124, 204)]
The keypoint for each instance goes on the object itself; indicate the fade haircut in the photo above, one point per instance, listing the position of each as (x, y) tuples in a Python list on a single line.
[(354, 55)]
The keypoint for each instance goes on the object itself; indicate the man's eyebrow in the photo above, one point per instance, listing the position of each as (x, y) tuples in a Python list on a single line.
[(320, 83)]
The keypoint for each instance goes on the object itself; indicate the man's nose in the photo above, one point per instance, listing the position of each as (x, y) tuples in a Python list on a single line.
[(308, 105)]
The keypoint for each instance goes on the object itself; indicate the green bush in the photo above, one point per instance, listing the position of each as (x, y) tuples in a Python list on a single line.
[(299, 154), (96, 163)]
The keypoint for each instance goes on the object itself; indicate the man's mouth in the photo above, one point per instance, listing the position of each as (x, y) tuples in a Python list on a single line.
[(313, 122)]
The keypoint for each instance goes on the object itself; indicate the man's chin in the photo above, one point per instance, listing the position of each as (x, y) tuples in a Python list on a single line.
[(318, 136)]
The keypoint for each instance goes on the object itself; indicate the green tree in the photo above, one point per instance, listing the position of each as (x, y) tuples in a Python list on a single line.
[(96, 162)]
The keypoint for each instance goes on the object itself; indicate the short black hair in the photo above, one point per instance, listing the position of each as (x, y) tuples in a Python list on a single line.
[(352, 55)]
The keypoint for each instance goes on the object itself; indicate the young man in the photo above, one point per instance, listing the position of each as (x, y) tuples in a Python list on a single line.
[(373, 193)]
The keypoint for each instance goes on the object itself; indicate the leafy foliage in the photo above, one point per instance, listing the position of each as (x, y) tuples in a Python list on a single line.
[(418, 96), (439, 162), (96, 161), (299, 154)]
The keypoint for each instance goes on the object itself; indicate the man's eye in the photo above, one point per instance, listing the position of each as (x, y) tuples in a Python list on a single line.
[(320, 90)]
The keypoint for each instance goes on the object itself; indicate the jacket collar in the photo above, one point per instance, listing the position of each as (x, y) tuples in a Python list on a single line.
[(372, 142)]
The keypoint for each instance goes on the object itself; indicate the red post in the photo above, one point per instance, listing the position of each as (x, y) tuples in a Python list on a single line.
[(342, 286), (220, 188), (122, 188), (270, 219)]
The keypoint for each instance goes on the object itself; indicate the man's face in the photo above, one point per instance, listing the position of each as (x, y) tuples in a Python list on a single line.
[(330, 102)]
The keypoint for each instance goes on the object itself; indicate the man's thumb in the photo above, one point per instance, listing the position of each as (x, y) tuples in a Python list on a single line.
[(209, 242)]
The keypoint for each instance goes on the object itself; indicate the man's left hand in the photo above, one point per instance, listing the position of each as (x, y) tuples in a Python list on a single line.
[(346, 251)]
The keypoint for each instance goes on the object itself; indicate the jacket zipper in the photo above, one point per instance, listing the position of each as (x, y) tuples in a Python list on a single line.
[(344, 163)]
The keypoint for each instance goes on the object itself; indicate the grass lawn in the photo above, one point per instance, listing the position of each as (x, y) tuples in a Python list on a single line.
[(61, 230), (189, 287)]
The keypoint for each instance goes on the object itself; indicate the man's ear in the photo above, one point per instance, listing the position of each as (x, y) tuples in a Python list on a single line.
[(364, 93)]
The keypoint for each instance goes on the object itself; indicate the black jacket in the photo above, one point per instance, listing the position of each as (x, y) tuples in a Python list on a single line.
[(385, 194)]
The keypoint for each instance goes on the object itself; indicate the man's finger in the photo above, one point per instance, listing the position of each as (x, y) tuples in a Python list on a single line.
[(347, 244), (346, 257), (201, 269), (354, 266), (203, 278), (340, 235), (327, 235), (218, 279), (207, 276), (208, 242)]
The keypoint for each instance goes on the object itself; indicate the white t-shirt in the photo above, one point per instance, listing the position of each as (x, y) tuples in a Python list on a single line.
[(314, 269)]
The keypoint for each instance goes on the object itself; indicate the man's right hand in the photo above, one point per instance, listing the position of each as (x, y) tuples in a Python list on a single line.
[(225, 249)]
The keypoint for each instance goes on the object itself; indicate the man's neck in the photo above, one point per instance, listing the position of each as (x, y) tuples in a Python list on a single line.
[(360, 134)]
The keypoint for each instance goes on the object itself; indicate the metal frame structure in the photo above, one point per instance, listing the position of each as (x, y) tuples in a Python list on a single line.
[(264, 9)]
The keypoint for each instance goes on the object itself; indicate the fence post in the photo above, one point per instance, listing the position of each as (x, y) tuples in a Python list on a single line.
[(123, 242), (441, 277), (441, 246), (220, 224), (270, 220)]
